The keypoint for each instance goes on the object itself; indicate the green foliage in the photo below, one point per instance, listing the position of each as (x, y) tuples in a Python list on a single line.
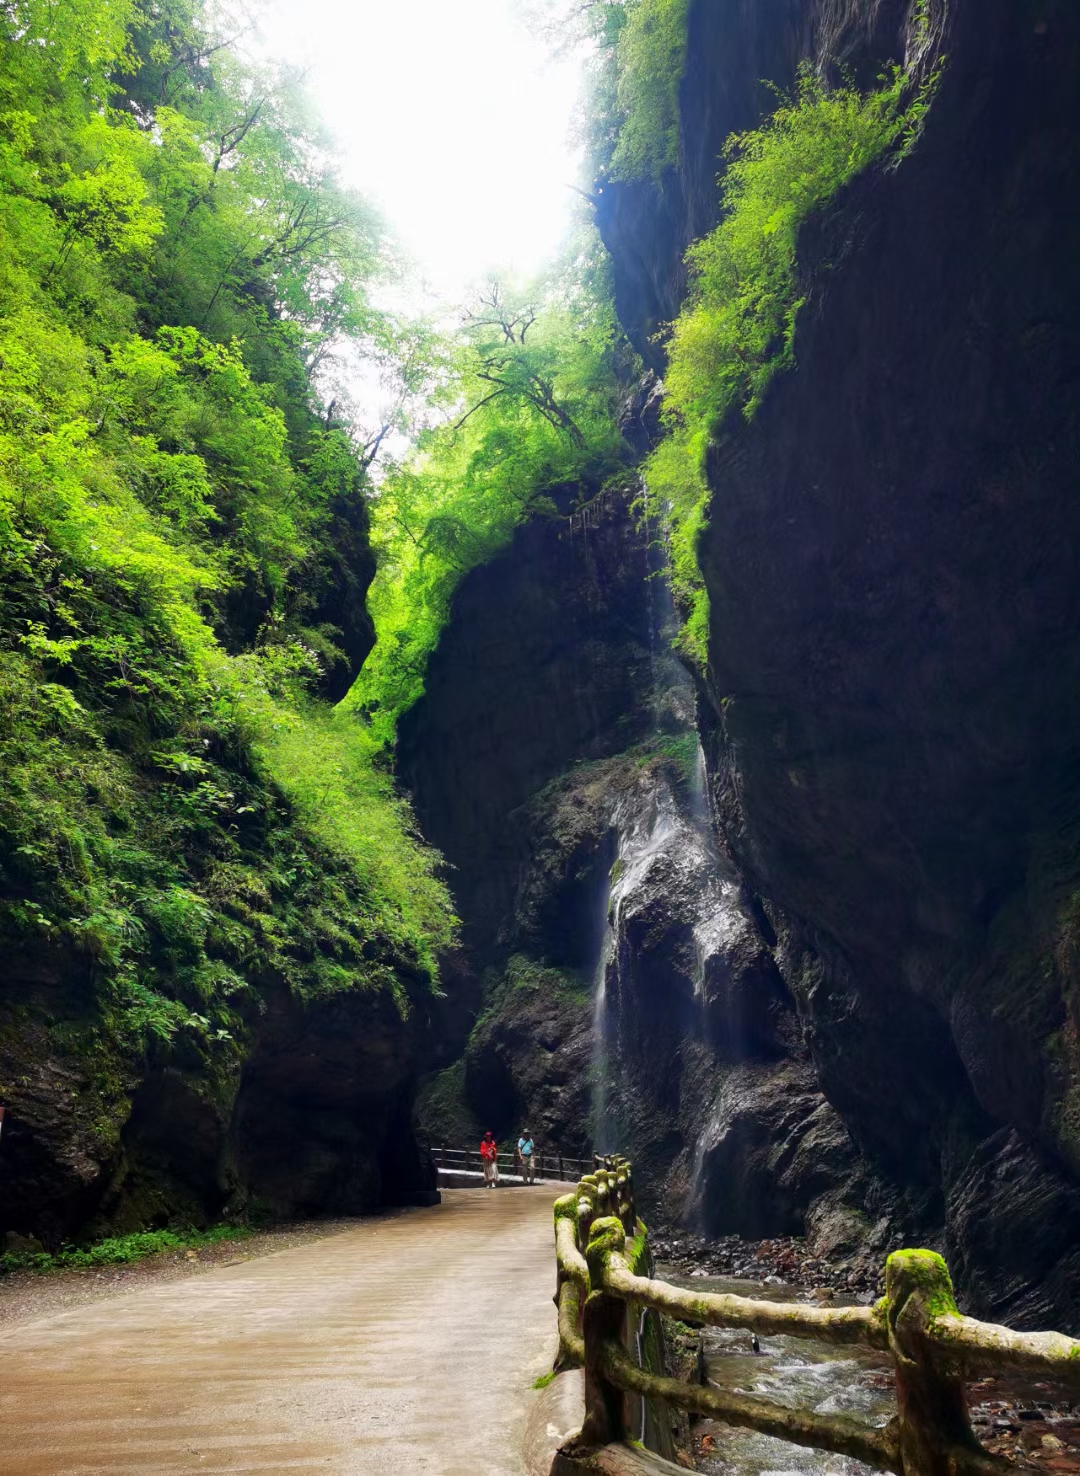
[(737, 329), (529, 405), (635, 55), (526, 975), (324, 762), (181, 278), (650, 60), (121, 1250), (442, 1112)]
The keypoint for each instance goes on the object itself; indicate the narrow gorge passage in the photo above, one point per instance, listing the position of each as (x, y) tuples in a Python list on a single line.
[(539, 597), (409, 1344)]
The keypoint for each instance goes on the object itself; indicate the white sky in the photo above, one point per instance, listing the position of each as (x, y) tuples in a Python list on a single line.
[(450, 116)]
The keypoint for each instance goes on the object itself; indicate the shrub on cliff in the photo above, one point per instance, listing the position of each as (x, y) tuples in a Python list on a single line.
[(737, 328), (529, 405), (650, 59)]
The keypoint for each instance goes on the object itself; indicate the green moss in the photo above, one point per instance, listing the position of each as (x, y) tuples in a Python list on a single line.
[(736, 330), (925, 1273), (606, 1235), (637, 1253), (442, 1112), (565, 1206), (522, 975), (121, 1249), (544, 1380)]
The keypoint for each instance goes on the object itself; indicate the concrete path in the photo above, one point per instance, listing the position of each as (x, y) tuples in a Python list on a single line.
[(408, 1345)]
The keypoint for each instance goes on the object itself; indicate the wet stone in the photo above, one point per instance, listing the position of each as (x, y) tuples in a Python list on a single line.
[(1041, 1432)]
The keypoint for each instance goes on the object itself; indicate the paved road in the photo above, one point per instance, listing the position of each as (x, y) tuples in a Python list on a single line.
[(408, 1345)]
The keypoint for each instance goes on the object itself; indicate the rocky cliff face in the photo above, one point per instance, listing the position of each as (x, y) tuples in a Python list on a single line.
[(306, 1110), (546, 663), (842, 994), (892, 564), (314, 1118), (623, 991)]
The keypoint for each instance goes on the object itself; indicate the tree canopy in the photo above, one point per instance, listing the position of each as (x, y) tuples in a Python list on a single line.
[(185, 289), (527, 405)]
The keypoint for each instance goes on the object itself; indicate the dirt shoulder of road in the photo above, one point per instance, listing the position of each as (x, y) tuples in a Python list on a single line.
[(28, 1296)]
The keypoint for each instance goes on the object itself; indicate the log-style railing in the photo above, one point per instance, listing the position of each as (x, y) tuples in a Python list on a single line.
[(933, 1347)]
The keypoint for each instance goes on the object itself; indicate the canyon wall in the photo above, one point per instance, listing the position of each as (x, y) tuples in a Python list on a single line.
[(892, 561), (305, 1110), (839, 984)]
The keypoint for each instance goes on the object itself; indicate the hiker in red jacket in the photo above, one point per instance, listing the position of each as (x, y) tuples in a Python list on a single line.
[(488, 1150)]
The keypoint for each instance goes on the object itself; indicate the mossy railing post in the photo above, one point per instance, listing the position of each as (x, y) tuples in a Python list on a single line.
[(934, 1348), (935, 1434), (603, 1321), (624, 1183), (571, 1282), (587, 1207)]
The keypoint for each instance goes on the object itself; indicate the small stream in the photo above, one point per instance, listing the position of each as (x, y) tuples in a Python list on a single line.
[(796, 1372), (1033, 1421)]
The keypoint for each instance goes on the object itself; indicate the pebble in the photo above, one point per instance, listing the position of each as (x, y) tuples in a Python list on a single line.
[(784, 1259)]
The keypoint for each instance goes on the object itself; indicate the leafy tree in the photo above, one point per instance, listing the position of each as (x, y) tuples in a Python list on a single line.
[(529, 406), (650, 60), (180, 270), (635, 55)]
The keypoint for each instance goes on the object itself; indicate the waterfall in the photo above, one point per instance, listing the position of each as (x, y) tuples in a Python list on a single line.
[(698, 794), (603, 1050)]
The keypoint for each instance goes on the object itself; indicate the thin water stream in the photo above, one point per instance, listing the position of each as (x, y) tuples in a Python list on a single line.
[(796, 1372), (1036, 1422), (604, 1133)]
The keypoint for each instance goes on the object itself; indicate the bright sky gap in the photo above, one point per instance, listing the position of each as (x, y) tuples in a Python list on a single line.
[(451, 117)]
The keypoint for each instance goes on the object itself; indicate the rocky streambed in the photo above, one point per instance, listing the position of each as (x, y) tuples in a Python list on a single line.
[(784, 1259), (1033, 1423)]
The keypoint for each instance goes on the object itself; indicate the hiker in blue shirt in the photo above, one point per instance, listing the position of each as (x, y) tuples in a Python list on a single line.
[(525, 1154)]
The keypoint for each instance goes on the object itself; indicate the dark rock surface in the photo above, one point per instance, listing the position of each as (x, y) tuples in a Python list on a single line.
[(737, 51), (543, 664), (883, 1043), (624, 995), (322, 1123), (340, 601), (68, 1093), (894, 566), (528, 1060), (546, 662), (315, 1119)]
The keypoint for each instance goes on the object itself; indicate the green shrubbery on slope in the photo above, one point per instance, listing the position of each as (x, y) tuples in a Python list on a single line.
[(737, 327), (178, 807)]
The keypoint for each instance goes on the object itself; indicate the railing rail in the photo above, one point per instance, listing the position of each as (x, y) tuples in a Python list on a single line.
[(546, 1164), (934, 1348)]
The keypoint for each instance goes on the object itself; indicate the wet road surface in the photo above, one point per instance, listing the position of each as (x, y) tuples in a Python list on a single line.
[(407, 1345)]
